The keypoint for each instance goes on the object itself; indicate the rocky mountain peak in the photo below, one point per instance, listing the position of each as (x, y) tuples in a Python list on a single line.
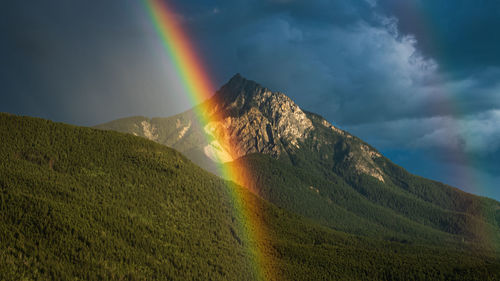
[(241, 95), (249, 118), (239, 87), (258, 120)]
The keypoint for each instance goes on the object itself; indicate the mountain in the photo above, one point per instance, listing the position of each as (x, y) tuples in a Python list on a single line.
[(79, 203), (86, 204), (304, 164)]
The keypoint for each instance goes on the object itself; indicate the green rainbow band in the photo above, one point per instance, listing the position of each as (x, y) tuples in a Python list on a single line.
[(200, 92)]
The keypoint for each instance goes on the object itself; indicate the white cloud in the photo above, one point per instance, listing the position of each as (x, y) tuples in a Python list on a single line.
[(345, 69), (475, 133)]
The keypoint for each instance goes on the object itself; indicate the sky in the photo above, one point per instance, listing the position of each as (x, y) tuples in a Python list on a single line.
[(417, 79)]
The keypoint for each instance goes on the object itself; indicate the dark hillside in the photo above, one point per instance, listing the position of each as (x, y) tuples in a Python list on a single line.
[(80, 203)]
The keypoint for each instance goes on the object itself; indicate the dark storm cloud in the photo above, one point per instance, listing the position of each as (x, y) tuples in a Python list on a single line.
[(331, 56), (462, 34), (415, 76), (349, 60), (420, 76)]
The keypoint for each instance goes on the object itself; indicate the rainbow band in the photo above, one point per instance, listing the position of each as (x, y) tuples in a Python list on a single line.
[(200, 91)]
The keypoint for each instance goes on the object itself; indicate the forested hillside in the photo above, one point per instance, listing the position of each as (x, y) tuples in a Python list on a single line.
[(80, 203), (301, 162)]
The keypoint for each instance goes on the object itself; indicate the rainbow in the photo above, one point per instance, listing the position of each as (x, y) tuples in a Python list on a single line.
[(200, 90), (420, 12)]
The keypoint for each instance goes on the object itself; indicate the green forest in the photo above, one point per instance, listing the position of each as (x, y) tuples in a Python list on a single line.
[(83, 204)]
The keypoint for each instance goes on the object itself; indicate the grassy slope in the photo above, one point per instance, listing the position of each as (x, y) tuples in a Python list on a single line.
[(82, 203)]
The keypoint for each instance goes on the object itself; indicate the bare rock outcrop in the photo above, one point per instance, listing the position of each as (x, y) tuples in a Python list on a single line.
[(257, 120)]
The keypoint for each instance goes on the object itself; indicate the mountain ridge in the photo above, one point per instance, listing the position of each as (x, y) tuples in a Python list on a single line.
[(344, 182)]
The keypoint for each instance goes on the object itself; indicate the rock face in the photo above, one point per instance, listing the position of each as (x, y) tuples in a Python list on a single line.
[(358, 155), (257, 120), (149, 130), (254, 119)]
